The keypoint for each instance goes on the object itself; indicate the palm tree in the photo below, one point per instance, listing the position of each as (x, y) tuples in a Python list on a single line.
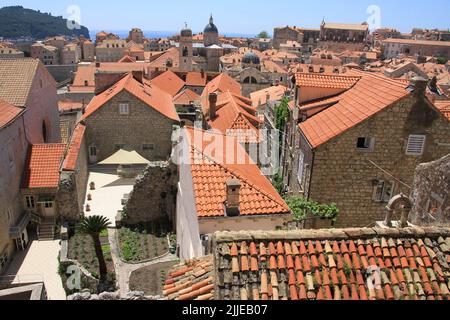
[(93, 226)]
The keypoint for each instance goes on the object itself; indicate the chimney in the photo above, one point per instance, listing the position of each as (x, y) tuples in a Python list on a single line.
[(212, 105), (420, 86), (138, 75), (233, 199)]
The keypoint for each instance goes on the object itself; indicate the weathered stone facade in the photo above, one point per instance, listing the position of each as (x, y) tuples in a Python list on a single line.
[(154, 195), (144, 129), (431, 193), (337, 172)]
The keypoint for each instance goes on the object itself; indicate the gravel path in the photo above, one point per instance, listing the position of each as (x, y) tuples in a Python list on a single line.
[(124, 270)]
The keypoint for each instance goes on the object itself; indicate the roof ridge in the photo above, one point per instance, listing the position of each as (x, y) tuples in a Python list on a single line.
[(239, 175)]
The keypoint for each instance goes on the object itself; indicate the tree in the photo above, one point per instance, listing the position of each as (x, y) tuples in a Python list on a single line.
[(263, 35), (93, 226), (442, 60)]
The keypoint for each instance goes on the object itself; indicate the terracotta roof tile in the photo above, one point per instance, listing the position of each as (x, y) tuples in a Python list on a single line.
[(169, 82), (84, 80), (186, 97), (222, 83), (196, 79), (211, 171), (331, 81), (444, 107), (370, 95), (8, 113), (42, 166), (150, 94), (286, 278), (70, 162), (16, 79), (184, 284)]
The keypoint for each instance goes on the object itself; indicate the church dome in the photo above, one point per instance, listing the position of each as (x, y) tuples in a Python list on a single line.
[(251, 58), (211, 27), (186, 32)]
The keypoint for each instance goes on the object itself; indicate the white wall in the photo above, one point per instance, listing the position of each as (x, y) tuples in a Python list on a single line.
[(259, 223)]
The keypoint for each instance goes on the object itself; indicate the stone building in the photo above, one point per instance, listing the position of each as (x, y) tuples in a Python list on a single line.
[(71, 54), (88, 51), (28, 115), (111, 50), (394, 47), (338, 32), (358, 145), (255, 73), (102, 36), (308, 38), (49, 55), (136, 35), (132, 113), (10, 53)]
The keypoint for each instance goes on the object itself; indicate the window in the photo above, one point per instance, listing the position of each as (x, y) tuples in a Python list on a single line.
[(365, 144), (416, 145), (11, 154), (124, 109), (29, 202), (146, 147), (3, 259), (44, 131), (10, 215), (93, 151), (301, 168), (383, 191)]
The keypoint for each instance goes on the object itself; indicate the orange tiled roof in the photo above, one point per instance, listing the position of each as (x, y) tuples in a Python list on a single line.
[(171, 54), (84, 75), (276, 93), (371, 94), (16, 79), (222, 83), (334, 264), (196, 79), (192, 280), (8, 113), (68, 105), (331, 81), (70, 162), (210, 172), (185, 97), (127, 59), (146, 92), (42, 166), (444, 107), (235, 113), (169, 82)]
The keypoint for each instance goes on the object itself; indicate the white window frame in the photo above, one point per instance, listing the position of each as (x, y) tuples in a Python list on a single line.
[(384, 196), (411, 148), (30, 202), (301, 168), (124, 109)]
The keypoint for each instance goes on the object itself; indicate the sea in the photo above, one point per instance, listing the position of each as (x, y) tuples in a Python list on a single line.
[(164, 34)]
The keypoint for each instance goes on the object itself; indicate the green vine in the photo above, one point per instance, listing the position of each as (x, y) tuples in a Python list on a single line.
[(301, 207)]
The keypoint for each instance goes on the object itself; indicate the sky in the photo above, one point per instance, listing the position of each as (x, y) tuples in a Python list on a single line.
[(244, 16)]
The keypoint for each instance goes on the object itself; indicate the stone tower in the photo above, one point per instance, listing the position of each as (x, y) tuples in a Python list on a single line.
[(186, 50), (210, 33)]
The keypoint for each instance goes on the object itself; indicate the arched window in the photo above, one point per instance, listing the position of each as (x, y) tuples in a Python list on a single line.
[(44, 131), (185, 52), (250, 80)]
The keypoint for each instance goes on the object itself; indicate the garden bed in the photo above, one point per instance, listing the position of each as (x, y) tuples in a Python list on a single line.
[(81, 249), (142, 243)]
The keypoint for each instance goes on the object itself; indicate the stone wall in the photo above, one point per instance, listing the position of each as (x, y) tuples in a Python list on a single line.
[(431, 193), (62, 72), (154, 195), (107, 128)]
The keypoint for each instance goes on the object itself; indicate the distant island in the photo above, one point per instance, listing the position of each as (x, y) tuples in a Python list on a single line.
[(18, 22)]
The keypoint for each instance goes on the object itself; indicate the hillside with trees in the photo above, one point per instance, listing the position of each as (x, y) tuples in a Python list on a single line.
[(17, 22)]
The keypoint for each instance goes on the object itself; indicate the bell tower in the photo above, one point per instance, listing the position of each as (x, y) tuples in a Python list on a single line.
[(186, 51)]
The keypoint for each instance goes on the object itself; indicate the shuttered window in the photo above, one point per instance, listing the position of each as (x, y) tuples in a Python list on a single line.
[(416, 145)]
